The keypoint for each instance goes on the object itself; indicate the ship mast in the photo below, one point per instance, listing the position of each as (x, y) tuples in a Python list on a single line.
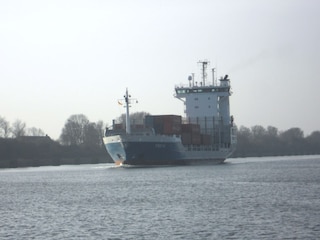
[(204, 71), (126, 98)]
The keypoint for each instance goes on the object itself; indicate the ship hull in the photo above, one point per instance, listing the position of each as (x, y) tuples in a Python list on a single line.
[(205, 135), (158, 150)]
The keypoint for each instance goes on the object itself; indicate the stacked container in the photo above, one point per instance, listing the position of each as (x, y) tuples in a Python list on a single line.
[(190, 134), (164, 124)]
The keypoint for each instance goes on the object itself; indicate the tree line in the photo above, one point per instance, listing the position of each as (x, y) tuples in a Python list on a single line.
[(260, 141), (78, 130), (17, 129), (80, 141)]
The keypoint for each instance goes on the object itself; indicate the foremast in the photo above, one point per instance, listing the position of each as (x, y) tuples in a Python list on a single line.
[(127, 101)]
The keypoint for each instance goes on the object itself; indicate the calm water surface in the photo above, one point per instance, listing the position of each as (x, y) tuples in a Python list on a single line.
[(247, 198)]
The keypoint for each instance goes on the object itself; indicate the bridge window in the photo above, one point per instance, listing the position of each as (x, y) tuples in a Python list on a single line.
[(181, 91)]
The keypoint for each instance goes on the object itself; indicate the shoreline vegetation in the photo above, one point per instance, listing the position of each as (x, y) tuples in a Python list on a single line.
[(258, 141), (80, 142), (31, 151), (35, 151)]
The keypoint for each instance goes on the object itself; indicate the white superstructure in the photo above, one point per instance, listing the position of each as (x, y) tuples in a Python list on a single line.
[(207, 104), (205, 134)]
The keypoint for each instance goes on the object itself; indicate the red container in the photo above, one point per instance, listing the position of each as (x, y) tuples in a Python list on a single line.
[(118, 126), (196, 139), (166, 124), (190, 128)]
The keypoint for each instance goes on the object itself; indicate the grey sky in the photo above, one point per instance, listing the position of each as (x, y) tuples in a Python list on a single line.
[(59, 58)]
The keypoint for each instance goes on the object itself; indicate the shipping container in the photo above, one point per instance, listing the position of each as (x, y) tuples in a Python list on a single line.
[(118, 126), (205, 139), (196, 139), (190, 128), (164, 124), (186, 138)]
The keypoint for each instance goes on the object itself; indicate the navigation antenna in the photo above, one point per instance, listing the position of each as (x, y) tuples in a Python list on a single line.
[(128, 99), (204, 71), (213, 81)]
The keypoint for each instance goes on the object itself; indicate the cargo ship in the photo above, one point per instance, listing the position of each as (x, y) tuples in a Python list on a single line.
[(206, 134)]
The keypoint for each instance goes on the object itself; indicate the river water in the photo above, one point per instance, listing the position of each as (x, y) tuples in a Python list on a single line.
[(245, 198)]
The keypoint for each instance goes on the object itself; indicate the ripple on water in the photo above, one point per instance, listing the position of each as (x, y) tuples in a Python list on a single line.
[(244, 199)]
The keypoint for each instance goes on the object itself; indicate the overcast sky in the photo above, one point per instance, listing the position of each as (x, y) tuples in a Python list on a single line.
[(59, 58)]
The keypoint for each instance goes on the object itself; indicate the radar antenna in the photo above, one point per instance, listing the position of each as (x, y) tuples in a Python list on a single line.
[(204, 70)]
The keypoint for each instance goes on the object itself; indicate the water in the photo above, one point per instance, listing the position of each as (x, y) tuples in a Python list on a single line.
[(248, 198)]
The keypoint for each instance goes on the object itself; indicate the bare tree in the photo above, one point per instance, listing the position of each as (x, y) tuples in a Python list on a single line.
[(245, 133), (4, 127), (92, 135), (313, 141), (292, 134), (18, 128), (135, 118), (272, 131), (100, 126), (78, 130), (258, 131), (35, 132), (73, 132)]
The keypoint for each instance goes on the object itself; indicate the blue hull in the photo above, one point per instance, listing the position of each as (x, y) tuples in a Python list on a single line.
[(147, 153), (160, 153)]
